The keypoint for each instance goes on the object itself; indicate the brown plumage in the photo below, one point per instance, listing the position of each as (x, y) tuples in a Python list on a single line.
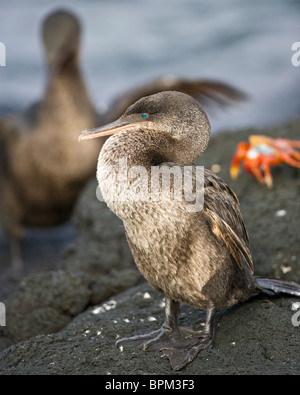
[(198, 255)]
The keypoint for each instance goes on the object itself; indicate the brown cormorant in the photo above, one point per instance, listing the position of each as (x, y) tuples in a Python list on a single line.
[(197, 255)]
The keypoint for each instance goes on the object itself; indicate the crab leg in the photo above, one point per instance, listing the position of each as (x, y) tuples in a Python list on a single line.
[(240, 155), (282, 143), (289, 159), (255, 170), (267, 174)]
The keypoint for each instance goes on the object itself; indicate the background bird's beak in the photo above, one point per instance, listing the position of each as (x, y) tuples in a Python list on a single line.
[(110, 128)]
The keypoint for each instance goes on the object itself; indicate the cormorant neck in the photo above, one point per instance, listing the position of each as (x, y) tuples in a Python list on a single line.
[(69, 71), (147, 148), (66, 97)]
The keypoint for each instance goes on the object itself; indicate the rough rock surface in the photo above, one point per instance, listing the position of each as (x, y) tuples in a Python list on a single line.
[(97, 266), (256, 338)]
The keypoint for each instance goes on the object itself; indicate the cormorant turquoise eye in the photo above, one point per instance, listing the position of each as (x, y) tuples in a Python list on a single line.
[(144, 116)]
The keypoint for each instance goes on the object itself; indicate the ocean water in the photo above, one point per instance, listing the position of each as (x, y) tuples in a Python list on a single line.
[(129, 42)]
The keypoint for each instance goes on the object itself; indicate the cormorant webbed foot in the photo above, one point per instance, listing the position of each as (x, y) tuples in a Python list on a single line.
[(186, 349)]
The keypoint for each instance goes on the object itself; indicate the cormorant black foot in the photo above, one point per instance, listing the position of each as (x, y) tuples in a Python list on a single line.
[(180, 345), (186, 349)]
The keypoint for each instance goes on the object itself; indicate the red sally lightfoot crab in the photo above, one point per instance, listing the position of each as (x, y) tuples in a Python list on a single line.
[(262, 152)]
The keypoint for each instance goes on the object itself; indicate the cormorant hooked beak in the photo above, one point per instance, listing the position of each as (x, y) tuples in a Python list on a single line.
[(111, 128)]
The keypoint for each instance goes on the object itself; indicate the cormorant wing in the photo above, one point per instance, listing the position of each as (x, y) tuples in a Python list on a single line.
[(207, 92), (223, 211)]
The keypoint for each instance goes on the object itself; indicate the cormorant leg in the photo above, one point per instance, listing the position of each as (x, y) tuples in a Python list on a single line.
[(171, 310), (16, 256), (187, 347), (209, 326)]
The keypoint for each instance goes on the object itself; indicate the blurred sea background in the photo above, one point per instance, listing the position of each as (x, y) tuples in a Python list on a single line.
[(126, 43)]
